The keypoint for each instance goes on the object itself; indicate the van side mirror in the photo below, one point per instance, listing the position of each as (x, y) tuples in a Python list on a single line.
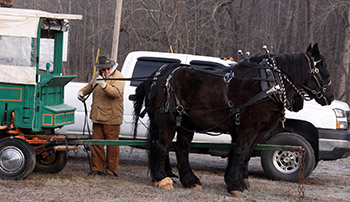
[(132, 97)]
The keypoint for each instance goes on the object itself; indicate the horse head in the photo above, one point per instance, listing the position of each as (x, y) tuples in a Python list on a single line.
[(318, 86)]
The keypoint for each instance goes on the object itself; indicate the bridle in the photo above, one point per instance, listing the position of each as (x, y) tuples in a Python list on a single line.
[(315, 72)]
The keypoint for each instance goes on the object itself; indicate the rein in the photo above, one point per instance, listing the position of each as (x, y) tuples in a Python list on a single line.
[(145, 78)]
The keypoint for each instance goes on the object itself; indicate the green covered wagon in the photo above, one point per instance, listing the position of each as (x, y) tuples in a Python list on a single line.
[(32, 90)]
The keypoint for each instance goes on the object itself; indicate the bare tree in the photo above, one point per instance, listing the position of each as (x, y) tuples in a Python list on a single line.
[(207, 27)]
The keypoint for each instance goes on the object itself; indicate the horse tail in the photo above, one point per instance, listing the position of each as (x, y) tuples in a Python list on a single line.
[(151, 146), (139, 97)]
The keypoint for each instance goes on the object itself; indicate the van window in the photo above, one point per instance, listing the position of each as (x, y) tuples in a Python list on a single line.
[(145, 66), (206, 64)]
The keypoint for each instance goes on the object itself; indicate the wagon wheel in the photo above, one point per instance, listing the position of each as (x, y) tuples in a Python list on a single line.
[(285, 165), (17, 159), (51, 162)]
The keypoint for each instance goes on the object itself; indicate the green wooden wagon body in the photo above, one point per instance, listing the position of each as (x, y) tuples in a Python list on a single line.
[(31, 80)]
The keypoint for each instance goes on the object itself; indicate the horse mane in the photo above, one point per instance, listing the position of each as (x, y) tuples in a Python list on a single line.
[(247, 69), (290, 64)]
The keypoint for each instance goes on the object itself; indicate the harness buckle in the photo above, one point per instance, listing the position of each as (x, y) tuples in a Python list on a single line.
[(237, 117), (315, 70), (273, 89), (230, 103), (228, 77), (180, 109), (178, 121), (319, 95)]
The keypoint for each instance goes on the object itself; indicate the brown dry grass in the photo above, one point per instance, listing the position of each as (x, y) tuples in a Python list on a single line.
[(329, 182)]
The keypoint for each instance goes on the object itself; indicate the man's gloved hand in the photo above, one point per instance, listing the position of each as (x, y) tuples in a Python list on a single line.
[(101, 82), (81, 96)]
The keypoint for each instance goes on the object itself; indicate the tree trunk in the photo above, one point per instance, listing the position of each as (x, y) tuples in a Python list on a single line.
[(344, 76)]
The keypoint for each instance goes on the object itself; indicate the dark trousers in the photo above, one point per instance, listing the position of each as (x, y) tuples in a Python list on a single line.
[(105, 132)]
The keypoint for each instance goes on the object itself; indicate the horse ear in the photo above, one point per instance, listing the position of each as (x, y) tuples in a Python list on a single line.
[(315, 50), (309, 49)]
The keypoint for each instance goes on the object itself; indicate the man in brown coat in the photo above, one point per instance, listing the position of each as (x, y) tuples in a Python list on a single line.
[(106, 115)]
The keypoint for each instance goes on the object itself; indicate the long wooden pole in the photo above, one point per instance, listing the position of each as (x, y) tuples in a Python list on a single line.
[(118, 14), (193, 144)]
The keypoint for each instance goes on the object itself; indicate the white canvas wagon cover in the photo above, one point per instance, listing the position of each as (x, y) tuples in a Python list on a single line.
[(17, 28), (24, 22)]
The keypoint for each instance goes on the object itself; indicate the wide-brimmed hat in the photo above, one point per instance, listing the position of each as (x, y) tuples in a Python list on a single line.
[(104, 62)]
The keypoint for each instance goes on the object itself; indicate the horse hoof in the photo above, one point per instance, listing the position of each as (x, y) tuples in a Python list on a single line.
[(197, 187), (247, 184), (237, 194), (166, 183)]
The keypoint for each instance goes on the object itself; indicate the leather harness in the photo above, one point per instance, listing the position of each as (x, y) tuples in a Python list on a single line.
[(269, 84)]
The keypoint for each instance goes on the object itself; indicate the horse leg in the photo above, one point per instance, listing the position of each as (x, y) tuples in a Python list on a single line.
[(168, 170), (233, 176), (254, 142), (160, 172), (187, 177), (161, 138), (236, 174), (244, 170)]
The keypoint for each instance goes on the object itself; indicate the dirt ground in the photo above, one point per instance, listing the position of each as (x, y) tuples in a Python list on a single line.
[(329, 182)]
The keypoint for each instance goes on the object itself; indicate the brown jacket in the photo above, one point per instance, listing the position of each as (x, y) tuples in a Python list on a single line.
[(107, 103)]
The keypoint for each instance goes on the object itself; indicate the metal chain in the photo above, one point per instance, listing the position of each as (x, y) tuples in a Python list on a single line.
[(301, 177)]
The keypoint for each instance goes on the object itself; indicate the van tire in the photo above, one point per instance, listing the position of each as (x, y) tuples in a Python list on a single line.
[(285, 165)]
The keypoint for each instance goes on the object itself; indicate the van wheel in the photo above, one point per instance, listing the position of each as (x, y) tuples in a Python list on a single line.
[(17, 159), (51, 162), (285, 165)]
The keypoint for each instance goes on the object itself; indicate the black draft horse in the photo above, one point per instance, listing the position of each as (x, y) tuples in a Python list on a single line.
[(185, 100)]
